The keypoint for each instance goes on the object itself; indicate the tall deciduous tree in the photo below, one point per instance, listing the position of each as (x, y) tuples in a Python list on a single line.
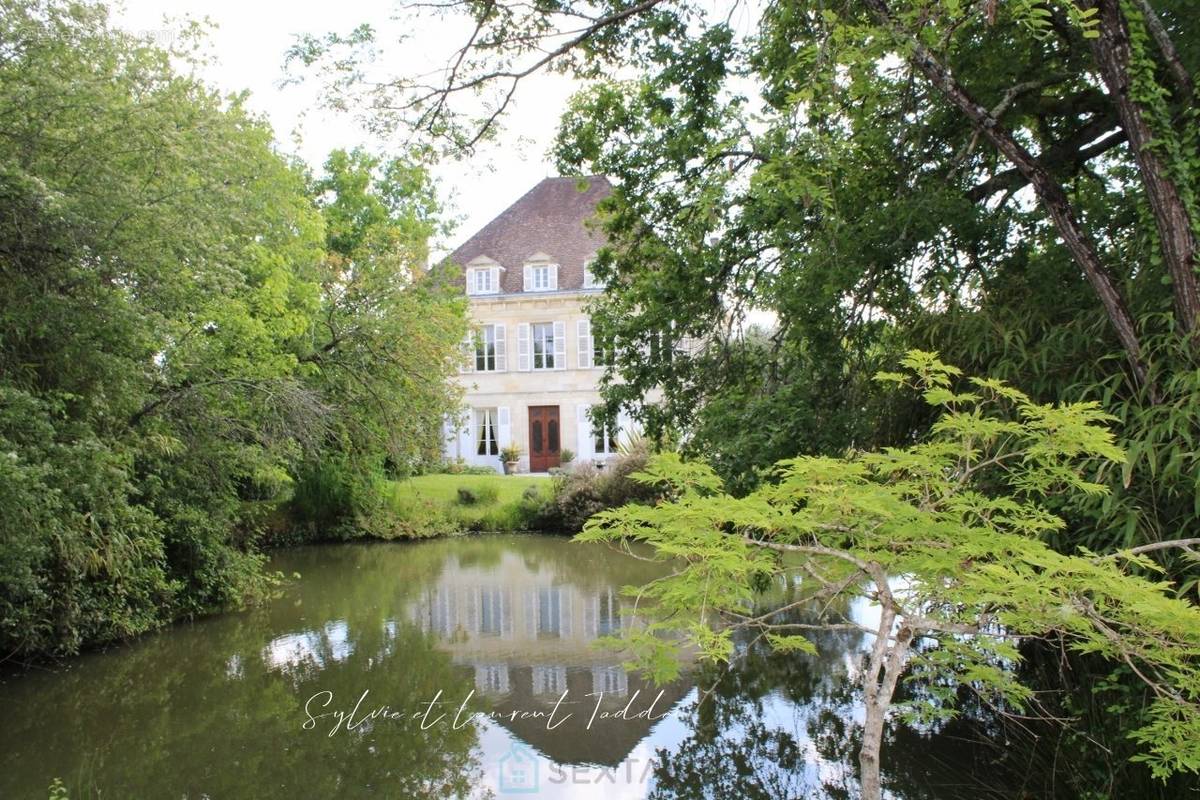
[(177, 335)]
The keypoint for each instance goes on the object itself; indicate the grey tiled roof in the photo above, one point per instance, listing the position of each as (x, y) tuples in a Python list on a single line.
[(550, 218)]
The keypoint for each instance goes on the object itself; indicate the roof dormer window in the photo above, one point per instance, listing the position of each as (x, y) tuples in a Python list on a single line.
[(540, 274), (590, 281), (483, 280), (483, 276)]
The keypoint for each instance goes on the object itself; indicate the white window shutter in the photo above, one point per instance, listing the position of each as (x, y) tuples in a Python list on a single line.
[(495, 280), (528, 278), (553, 270), (583, 432), (565, 612), (531, 608), (464, 434), (585, 343), (468, 364), (503, 427), (560, 345), (523, 347), (501, 349)]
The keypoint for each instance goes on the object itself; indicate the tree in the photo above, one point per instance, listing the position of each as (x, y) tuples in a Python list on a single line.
[(177, 343), (384, 346), (946, 537), (877, 176)]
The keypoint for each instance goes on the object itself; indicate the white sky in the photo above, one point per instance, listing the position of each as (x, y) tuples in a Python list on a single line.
[(247, 52)]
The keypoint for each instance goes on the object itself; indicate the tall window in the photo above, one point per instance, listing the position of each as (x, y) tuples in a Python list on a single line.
[(604, 437), (540, 278), (485, 425), (485, 349), (549, 611), (494, 611), (608, 613), (594, 351), (543, 345)]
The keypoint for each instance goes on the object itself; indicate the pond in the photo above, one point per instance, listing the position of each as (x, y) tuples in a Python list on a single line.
[(462, 667)]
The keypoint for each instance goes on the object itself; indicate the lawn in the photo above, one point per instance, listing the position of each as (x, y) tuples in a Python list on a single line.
[(430, 505)]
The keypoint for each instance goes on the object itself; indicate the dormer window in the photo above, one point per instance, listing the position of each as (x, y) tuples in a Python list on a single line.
[(540, 274), (483, 280), (590, 281)]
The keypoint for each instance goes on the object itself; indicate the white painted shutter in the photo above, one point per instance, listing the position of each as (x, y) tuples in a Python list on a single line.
[(464, 434), (468, 362), (583, 433), (566, 613), (591, 611), (501, 350), (527, 280), (560, 345), (523, 347), (503, 427), (531, 612), (553, 270), (585, 343), (495, 280), (472, 435), (449, 436)]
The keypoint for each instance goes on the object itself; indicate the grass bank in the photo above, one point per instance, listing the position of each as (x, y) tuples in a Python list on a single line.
[(434, 505)]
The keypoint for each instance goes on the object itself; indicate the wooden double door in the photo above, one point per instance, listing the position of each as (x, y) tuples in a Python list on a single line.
[(545, 438)]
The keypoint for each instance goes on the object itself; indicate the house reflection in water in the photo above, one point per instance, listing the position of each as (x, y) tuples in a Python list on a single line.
[(528, 633)]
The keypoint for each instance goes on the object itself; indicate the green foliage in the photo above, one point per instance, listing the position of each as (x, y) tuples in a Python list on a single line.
[(948, 536), (188, 337), (586, 489)]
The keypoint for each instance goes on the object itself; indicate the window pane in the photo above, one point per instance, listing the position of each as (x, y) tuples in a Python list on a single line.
[(536, 435), (553, 436), (543, 345), (486, 423), (485, 348)]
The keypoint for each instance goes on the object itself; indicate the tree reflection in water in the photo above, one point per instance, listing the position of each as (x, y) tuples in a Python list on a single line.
[(777, 726)]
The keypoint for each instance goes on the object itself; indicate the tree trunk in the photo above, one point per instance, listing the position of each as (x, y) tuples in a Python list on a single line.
[(1113, 55), (870, 782), (1051, 195), (880, 675)]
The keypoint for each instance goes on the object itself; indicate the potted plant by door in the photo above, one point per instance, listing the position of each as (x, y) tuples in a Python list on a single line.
[(510, 455)]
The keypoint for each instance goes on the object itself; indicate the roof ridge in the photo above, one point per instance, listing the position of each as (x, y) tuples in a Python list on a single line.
[(550, 217)]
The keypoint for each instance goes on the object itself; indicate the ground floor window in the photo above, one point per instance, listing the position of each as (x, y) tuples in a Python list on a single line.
[(604, 437), (485, 426)]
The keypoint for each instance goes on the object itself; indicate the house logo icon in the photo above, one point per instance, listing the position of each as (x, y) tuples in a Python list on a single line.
[(518, 770)]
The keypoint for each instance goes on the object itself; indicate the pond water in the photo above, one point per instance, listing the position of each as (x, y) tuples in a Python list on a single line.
[(462, 667)]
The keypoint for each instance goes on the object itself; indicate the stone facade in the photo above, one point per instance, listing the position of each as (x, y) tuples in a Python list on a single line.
[(531, 374)]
